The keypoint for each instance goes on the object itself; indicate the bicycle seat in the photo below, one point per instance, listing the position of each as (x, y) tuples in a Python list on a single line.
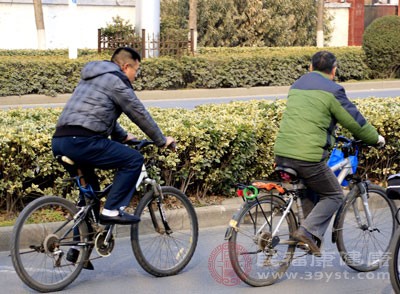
[(69, 165), (65, 160), (286, 173)]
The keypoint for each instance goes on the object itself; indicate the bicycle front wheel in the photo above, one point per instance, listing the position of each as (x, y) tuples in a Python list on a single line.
[(165, 239), (394, 262), (364, 247), (41, 239), (258, 257)]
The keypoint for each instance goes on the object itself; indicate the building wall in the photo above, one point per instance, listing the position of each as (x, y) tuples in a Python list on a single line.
[(18, 26), (340, 13), (373, 12)]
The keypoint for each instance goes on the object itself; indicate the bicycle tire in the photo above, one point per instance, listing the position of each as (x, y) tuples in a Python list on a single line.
[(38, 256), (354, 242), (394, 258), (158, 252), (261, 268)]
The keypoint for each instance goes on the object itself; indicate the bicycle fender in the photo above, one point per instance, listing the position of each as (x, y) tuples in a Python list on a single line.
[(335, 227), (233, 222)]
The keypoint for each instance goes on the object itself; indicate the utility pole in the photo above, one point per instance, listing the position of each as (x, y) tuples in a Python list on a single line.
[(320, 24), (72, 46), (193, 21), (41, 35), (148, 18)]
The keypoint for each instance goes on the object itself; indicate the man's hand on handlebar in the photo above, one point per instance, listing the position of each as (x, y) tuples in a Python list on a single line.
[(129, 137), (381, 142), (170, 143)]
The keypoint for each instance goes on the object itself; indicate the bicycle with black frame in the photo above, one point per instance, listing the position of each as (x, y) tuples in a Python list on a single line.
[(53, 238)]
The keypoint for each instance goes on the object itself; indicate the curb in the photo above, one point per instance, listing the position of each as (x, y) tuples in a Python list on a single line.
[(207, 216)]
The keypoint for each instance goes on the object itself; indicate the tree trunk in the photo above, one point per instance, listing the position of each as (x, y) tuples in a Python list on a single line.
[(193, 21), (41, 35), (320, 24)]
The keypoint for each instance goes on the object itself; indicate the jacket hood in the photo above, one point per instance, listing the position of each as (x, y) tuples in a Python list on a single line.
[(97, 68)]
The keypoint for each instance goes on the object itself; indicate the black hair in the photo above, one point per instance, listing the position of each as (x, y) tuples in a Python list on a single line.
[(121, 53), (323, 61)]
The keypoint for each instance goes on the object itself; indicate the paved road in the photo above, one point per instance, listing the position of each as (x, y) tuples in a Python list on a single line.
[(120, 273), (189, 98)]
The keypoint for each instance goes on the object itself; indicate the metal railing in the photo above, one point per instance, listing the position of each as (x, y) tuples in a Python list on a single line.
[(148, 46)]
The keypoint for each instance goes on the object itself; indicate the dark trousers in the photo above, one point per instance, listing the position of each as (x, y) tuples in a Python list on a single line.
[(99, 152), (319, 178)]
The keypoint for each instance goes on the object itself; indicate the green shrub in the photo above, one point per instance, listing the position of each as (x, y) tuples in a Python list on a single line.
[(211, 68), (381, 43), (218, 145)]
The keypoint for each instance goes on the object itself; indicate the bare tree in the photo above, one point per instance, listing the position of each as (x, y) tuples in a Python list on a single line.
[(41, 35)]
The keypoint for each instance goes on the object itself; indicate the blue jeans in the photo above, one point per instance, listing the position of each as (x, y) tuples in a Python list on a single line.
[(100, 152), (319, 178)]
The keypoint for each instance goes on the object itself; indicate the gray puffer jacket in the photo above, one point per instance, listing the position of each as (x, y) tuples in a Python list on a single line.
[(103, 93)]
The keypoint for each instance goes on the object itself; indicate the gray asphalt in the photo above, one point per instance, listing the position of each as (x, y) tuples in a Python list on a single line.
[(187, 94)]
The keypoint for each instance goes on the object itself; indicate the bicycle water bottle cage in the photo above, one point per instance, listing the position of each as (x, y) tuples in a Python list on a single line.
[(286, 174)]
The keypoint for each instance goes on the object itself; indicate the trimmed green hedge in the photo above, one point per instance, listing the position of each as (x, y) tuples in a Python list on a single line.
[(381, 41), (211, 68), (218, 145)]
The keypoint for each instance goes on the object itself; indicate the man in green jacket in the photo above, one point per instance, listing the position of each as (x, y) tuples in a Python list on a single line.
[(314, 105)]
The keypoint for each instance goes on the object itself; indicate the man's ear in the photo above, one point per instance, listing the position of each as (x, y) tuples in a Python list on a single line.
[(311, 68), (333, 73), (124, 67)]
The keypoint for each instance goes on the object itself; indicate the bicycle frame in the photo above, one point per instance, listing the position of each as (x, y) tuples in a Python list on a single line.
[(86, 189), (345, 167)]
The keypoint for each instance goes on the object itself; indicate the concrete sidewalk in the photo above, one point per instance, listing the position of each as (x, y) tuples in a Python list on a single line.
[(198, 93)]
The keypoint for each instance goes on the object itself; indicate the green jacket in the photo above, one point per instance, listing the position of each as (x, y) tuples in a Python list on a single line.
[(314, 105)]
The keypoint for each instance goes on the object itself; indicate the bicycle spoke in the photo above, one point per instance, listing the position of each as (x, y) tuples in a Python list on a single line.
[(256, 258), (365, 248), (168, 250), (43, 235)]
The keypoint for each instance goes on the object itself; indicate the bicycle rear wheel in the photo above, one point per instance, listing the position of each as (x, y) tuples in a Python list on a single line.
[(259, 259), (41, 238), (165, 249), (394, 262), (361, 247)]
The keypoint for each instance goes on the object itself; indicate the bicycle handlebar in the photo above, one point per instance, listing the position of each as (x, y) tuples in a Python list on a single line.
[(139, 144), (351, 142)]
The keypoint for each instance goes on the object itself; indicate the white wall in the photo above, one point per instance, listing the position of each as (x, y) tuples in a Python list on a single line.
[(340, 23), (18, 27)]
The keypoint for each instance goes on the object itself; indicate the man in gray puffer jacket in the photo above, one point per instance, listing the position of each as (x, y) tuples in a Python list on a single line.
[(90, 118)]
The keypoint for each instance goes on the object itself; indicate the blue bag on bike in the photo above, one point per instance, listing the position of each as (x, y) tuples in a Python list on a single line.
[(337, 156)]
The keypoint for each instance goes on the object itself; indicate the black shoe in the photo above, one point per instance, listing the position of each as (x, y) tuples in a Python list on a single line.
[(121, 219), (72, 255), (302, 235)]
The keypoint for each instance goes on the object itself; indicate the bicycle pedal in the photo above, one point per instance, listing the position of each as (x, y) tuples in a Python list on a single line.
[(88, 265), (303, 246)]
